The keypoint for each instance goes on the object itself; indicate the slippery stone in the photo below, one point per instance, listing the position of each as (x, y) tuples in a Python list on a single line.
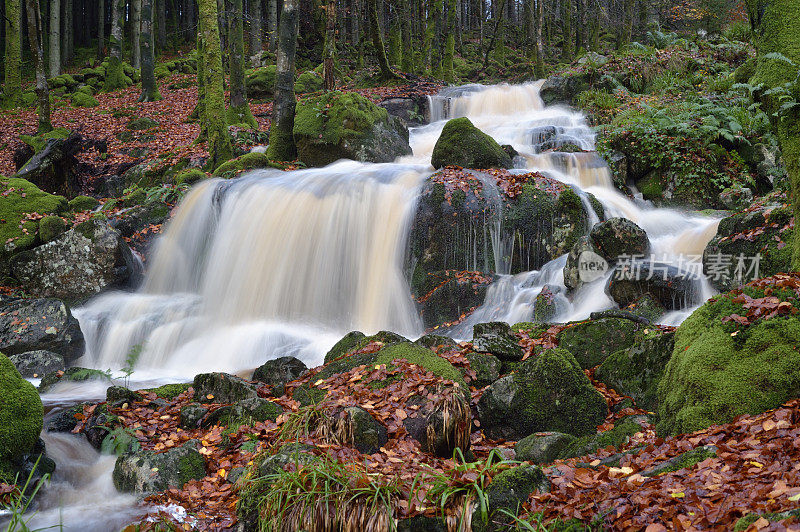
[(39, 324), (146, 471)]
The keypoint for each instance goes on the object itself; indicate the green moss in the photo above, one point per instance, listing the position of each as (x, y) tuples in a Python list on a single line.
[(347, 343), (594, 340), (329, 120), (308, 82), (20, 197), (510, 489), (170, 391), (74, 374), (21, 414), (141, 124), (718, 372), (190, 177), (83, 203), (115, 75), (532, 329), (616, 437), (261, 82), (50, 227), (744, 523), (682, 461), (38, 142), (81, 99), (463, 144), (248, 161)]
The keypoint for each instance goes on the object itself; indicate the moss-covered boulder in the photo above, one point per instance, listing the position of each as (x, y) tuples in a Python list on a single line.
[(222, 388), (248, 161), (308, 81), (615, 437), (547, 393), (278, 372), (510, 489), (341, 125), (146, 471), (73, 374), (463, 144), (453, 227), (542, 447), (764, 231), (78, 264), (18, 198), (496, 338), (261, 82), (356, 340), (82, 99), (21, 417), (619, 236), (487, 368), (719, 370), (636, 371), (83, 203), (141, 124), (51, 227), (592, 341), (447, 296)]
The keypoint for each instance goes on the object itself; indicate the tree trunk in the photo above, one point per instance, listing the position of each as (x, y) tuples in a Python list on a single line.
[(329, 53), (136, 31), (539, 41), (566, 26), (594, 44), (776, 27), (12, 88), (497, 22), (101, 29), (219, 144), (407, 61), (66, 32), (255, 27), (35, 34), (627, 24), (281, 140), (115, 76), (161, 23), (272, 7), (149, 88), (54, 56), (238, 111), (377, 40), (450, 42), (199, 108)]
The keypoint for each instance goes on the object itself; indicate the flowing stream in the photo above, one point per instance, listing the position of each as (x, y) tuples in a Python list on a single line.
[(285, 263)]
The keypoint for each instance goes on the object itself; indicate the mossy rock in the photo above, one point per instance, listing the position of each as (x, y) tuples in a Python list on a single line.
[(721, 370), (74, 374), (347, 343), (81, 99), (83, 203), (339, 125), (542, 447), (248, 161), (637, 370), (38, 142), (51, 227), (20, 197), (308, 82), (549, 392), (773, 517), (261, 82), (487, 368), (512, 488), (190, 177), (146, 471), (141, 124), (682, 461), (594, 340), (169, 391), (21, 416), (590, 444), (463, 144)]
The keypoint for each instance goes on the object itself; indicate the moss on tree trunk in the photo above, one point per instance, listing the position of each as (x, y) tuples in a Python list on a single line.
[(281, 140), (213, 118), (149, 88), (37, 51), (12, 87), (115, 75), (239, 111)]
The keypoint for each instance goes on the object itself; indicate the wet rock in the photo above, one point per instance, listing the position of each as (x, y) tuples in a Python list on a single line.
[(97, 426), (191, 415), (139, 217), (146, 471), (340, 125), (348, 342), (222, 388), (496, 338), (52, 169), (121, 394), (254, 409), (450, 295), (21, 418), (584, 264), (672, 287), (412, 112), (545, 307), (64, 420), (546, 393), (463, 144), (73, 374), (736, 198), (616, 437), (618, 164), (48, 326), (33, 464), (590, 342), (542, 447), (356, 427), (33, 364), (278, 372), (434, 341), (440, 426), (636, 371), (82, 262), (509, 490), (487, 368), (616, 237)]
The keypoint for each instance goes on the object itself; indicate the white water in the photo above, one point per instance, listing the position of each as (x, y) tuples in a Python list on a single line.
[(284, 263)]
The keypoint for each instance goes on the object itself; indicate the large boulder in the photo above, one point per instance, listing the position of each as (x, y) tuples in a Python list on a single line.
[(82, 262), (547, 393), (465, 223), (340, 125), (508, 491), (447, 296), (34, 364), (635, 371), (590, 342), (618, 236), (39, 324), (52, 168), (21, 418), (222, 388), (463, 144), (726, 363), (146, 471), (750, 244), (673, 287), (18, 198), (495, 338), (411, 111)]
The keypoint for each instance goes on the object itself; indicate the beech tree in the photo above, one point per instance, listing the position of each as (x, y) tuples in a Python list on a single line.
[(238, 110), (149, 88), (281, 133), (213, 117), (54, 55), (115, 75), (12, 88), (37, 51), (329, 53)]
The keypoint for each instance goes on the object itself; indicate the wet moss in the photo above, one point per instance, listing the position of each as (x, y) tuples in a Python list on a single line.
[(21, 197), (248, 161), (50, 227), (21, 415), (81, 99), (169, 391), (463, 144)]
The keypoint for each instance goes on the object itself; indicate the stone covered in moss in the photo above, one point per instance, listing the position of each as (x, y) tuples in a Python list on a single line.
[(261, 82), (496, 338), (83, 203), (73, 374), (20, 197), (347, 343), (463, 144), (278, 372), (81, 99), (190, 177), (141, 124), (222, 388), (449, 295), (542, 447), (721, 370), (169, 391), (37, 363), (547, 393), (593, 340), (146, 471), (21, 415), (591, 443), (510, 489), (357, 428), (682, 461), (38, 142), (248, 161), (487, 368), (341, 125), (307, 82), (637, 370)]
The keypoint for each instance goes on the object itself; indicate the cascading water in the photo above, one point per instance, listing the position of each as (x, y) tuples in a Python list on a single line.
[(284, 263)]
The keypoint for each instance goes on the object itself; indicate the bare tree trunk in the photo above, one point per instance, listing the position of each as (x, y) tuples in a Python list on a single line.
[(149, 88), (407, 60), (281, 140), (238, 111), (255, 27), (567, 43), (136, 30), (35, 35), (539, 41), (213, 118), (329, 54), (101, 29), (54, 57)]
